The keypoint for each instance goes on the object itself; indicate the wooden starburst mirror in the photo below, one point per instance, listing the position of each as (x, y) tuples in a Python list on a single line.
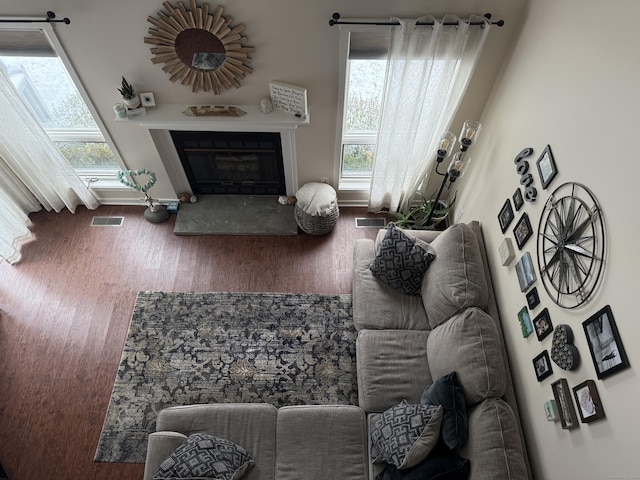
[(198, 48)]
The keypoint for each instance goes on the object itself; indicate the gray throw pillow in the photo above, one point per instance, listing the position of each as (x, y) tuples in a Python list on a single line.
[(206, 456), (447, 391), (401, 262), (405, 434)]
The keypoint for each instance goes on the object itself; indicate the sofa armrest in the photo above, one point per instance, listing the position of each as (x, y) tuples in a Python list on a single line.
[(376, 305), (160, 446)]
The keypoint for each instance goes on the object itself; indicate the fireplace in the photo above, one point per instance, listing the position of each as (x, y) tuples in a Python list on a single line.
[(231, 163)]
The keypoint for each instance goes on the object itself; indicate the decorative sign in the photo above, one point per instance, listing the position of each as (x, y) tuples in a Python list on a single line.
[(526, 179), (289, 98)]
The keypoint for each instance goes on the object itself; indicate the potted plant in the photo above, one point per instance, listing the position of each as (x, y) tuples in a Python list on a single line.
[(130, 98), (416, 216)]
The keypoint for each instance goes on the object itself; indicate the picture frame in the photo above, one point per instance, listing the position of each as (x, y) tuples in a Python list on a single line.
[(505, 217), (542, 366), (551, 410), (525, 322), (506, 252), (525, 272), (588, 402), (546, 167), (522, 231), (518, 200), (147, 99), (542, 324), (562, 396), (605, 345), (533, 300)]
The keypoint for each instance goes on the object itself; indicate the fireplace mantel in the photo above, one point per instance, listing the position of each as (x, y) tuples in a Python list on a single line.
[(164, 118)]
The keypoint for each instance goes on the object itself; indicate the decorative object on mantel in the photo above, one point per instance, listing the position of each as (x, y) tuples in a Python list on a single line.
[(571, 245), (289, 98), (120, 110), (266, 105), (148, 100), (214, 111), (605, 345), (155, 213), (198, 48), (526, 179), (129, 96)]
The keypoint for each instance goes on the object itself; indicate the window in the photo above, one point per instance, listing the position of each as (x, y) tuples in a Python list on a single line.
[(363, 63), (40, 75)]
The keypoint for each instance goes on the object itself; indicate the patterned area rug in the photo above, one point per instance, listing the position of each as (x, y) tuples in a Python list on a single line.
[(186, 348)]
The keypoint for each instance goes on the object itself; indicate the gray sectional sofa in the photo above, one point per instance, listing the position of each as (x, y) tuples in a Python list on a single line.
[(405, 343)]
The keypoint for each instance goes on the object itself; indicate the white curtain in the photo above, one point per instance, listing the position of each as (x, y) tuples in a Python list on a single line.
[(33, 173), (428, 70)]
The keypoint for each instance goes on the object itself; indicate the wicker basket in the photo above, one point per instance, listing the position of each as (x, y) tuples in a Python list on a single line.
[(317, 224)]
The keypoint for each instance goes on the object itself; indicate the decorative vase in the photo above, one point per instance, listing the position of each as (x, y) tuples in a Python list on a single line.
[(132, 103)]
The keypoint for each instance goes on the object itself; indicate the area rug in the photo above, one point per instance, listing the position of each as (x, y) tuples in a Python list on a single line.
[(193, 348)]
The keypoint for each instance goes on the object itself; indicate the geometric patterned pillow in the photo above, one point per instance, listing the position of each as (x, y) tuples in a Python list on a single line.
[(402, 262), (206, 456), (405, 434)]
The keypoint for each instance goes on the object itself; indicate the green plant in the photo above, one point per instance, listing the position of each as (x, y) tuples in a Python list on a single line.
[(126, 90), (415, 218)]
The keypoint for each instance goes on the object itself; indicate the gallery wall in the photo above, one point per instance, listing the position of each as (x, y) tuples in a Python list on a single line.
[(570, 82), (293, 43)]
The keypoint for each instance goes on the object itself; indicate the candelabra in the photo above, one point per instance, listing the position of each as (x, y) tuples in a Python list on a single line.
[(460, 161)]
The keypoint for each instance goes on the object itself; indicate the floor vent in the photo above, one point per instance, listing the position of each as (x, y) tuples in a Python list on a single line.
[(107, 221), (374, 222)]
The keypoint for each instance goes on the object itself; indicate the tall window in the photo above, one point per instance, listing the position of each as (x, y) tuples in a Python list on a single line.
[(33, 60)]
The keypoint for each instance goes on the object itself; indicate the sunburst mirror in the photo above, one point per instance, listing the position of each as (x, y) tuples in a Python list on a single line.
[(198, 48)]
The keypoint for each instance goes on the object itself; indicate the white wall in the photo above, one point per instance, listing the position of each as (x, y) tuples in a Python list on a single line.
[(293, 43), (571, 82)]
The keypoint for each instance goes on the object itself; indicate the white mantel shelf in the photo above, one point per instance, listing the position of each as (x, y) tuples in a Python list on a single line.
[(170, 117)]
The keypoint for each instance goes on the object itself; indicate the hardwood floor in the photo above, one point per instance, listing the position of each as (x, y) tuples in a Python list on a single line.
[(65, 310)]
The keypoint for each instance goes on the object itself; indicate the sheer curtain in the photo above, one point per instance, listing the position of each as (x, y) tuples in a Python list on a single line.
[(428, 70), (33, 173)]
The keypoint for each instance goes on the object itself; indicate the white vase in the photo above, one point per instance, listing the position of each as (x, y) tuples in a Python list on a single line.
[(132, 102)]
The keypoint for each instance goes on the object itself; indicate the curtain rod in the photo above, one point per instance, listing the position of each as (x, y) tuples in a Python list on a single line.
[(50, 19), (335, 20)]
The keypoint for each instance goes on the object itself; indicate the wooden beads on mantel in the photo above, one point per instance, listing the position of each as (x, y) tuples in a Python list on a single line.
[(198, 48)]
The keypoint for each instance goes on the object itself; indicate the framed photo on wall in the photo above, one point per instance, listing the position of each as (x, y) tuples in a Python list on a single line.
[(518, 200), (542, 365), (588, 401), (525, 322), (546, 167), (505, 217), (522, 231), (525, 272), (542, 324), (533, 300), (562, 396), (605, 345)]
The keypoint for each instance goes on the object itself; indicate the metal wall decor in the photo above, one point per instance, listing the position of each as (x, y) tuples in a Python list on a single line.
[(198, 48), (571, 245)]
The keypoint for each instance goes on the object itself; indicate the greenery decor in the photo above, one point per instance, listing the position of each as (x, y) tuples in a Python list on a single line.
[(122, 175), (418, 212), (126, 90)]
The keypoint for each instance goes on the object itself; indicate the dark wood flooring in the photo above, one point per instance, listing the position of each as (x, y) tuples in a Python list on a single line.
[(65, 310)]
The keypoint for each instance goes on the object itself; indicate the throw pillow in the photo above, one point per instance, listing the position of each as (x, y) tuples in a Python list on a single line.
[(206, 456), (442, 465), (401, 262), (405, 434), (447, 391)]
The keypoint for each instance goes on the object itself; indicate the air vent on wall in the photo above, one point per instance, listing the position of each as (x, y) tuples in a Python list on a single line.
[(374, 222), (107, 221)]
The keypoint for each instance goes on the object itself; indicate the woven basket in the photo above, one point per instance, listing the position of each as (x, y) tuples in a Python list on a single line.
[(317, 224)]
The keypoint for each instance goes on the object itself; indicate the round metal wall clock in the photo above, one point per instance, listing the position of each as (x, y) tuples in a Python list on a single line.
[(571, 245)]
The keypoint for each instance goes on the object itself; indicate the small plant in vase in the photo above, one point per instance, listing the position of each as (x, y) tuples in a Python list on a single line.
[(155, 212), (129, 96)]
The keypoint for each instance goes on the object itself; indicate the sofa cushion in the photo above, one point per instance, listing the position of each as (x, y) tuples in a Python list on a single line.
[(386, 373), (401, 262), (441, 464), (405, 434), (495, 447), (456, 280), (448, 392), (470, 345), (206, 456)]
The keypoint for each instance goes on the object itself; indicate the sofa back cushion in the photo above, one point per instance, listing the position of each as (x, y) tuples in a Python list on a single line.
[(456, 279), (470, 345)]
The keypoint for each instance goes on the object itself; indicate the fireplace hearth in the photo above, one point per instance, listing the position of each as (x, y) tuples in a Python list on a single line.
[(231, 163)]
